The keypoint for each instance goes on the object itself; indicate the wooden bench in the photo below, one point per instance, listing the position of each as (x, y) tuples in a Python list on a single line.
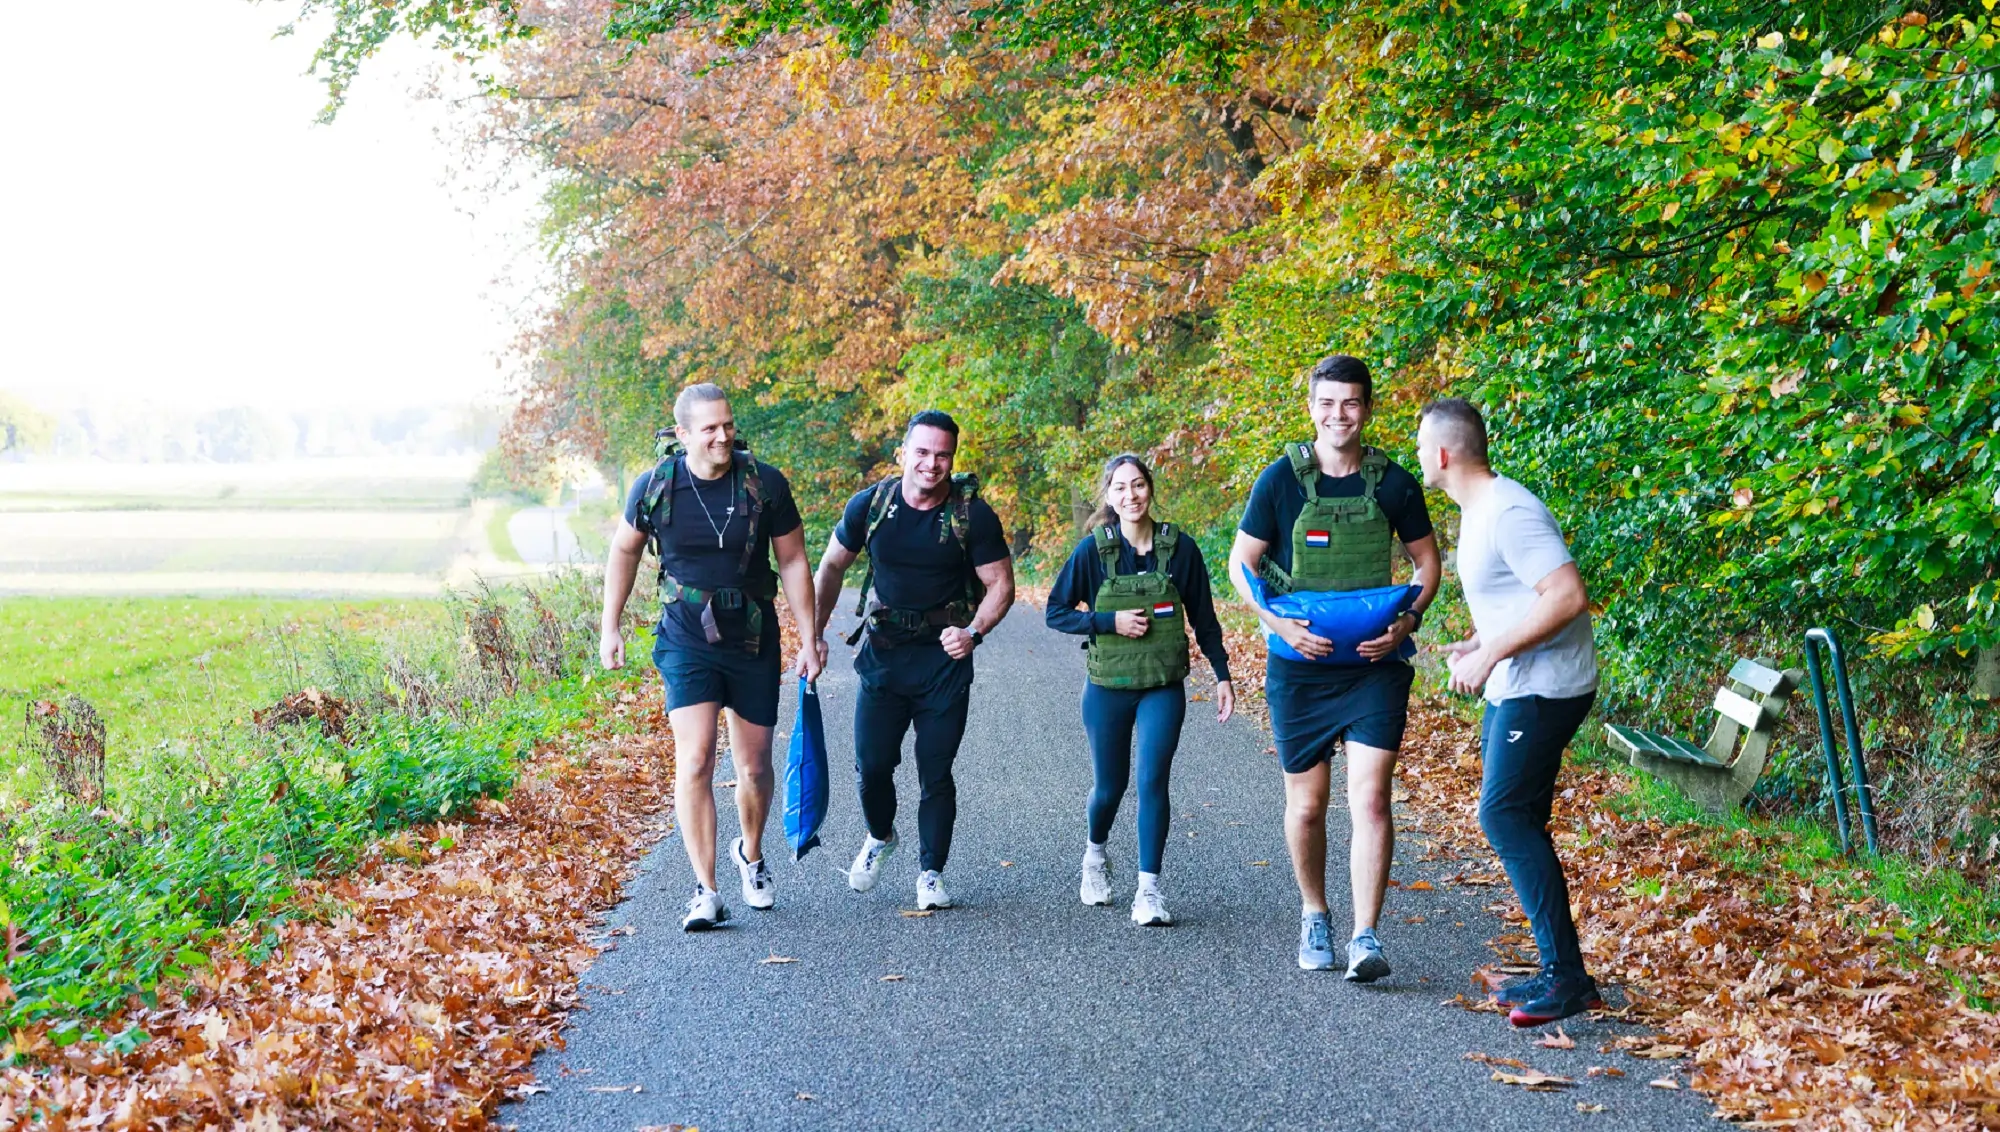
[(1748, 706)]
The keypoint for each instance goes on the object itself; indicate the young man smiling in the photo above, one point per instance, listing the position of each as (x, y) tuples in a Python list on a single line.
[(939, 579), (1326, 516)]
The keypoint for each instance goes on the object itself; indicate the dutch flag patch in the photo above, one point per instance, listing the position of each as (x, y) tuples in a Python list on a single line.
[(1163, 609), (1319, 538)]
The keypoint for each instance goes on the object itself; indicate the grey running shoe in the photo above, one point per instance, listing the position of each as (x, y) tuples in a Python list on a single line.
[(1364, 958), (704, 911), (1148, 910), (1316, 942), (1096, 886)]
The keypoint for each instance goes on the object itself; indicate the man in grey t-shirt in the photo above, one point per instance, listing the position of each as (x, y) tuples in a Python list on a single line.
[(1532, 655)]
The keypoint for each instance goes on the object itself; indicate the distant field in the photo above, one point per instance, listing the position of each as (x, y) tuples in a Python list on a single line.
[(162, 668), (328, 484), (301, 528), (412, 542)]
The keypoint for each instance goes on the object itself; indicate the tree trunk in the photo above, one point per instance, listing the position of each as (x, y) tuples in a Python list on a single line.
[(1986, 673)]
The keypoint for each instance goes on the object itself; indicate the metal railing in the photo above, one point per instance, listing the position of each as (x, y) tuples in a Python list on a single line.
[(1823, 640)]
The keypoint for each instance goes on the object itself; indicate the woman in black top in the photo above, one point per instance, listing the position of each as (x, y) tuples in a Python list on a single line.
[(1136, 613)]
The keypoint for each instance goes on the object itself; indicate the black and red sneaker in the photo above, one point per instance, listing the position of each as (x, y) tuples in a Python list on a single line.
[(1557, 999), (1514, 992)]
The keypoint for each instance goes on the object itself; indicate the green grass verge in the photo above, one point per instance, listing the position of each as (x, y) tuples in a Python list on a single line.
[(217, 822), (496, 532), (156, 667), (110, 910)]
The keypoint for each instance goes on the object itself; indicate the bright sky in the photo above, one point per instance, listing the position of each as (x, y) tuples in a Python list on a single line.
[(176, 229)]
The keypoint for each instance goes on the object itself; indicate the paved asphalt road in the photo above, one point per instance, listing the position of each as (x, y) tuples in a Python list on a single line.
[(1021, 1008)]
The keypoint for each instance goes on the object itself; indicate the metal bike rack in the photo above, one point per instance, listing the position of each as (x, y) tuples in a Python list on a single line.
[(1823, 640)]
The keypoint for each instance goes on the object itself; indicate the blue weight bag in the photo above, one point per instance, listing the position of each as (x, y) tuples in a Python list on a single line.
[(805, 775), (1345, 617)]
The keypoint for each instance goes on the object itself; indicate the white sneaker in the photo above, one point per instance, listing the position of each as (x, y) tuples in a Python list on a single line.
[(1147, 909), (1096, 887), (930, 891), (704, 911), (867, 866), (760, 891)]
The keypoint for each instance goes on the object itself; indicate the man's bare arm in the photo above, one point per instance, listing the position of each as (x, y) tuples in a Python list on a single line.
[(621, 568), (795, 573), (833, 566), (1430, 569)]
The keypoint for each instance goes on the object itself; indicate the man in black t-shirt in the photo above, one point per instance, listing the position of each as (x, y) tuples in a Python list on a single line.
[(716, 522), (928, 537), (1339, 540)]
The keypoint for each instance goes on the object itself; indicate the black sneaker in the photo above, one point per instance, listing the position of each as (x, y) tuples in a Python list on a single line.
[(1558, 998), (1515, 991)]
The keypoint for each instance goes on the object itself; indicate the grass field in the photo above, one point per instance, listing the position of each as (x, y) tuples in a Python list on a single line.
[(159, 669), (389, 483)]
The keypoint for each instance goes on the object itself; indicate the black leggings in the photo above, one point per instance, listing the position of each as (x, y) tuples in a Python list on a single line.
[(1523, 741), (881, 718), (1110, 717)]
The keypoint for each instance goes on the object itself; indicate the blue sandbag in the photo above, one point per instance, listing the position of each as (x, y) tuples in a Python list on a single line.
[(1345, 617), (805, 775)]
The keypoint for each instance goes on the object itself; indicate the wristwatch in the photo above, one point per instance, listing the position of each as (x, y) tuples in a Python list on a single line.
[(978, 638), (1416, 616)]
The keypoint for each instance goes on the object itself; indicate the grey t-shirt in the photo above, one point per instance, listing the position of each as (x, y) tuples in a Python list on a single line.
[(1507, 543)]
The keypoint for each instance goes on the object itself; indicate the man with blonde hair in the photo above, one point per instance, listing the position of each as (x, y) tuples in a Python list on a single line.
[(715, 516)]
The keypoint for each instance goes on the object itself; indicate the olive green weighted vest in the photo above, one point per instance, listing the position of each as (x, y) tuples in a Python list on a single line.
[(1160, 657), (1338, 543)]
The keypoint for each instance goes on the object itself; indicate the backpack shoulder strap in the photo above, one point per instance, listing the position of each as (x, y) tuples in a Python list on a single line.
[(657, 505), (1305, 466), (751, 487), (964, 492), (878, 506), (884, 494)]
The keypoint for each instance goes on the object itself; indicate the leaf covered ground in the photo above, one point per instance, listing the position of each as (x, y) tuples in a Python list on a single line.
[(1794, 1007), (409, 994), (413, 993)]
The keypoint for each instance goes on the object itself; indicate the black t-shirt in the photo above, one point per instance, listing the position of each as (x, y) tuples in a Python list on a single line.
[(914, 567), (1277, 499), (706, 512)]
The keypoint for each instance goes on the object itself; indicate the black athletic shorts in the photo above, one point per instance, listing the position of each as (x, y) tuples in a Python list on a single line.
[(1314, 706), (725, 674)]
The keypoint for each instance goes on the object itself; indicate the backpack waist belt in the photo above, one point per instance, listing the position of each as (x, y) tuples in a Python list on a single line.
[(879, 616), (726, 598)]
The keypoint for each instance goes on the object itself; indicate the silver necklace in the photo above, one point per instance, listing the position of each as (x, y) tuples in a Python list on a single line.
[(728, 513)]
